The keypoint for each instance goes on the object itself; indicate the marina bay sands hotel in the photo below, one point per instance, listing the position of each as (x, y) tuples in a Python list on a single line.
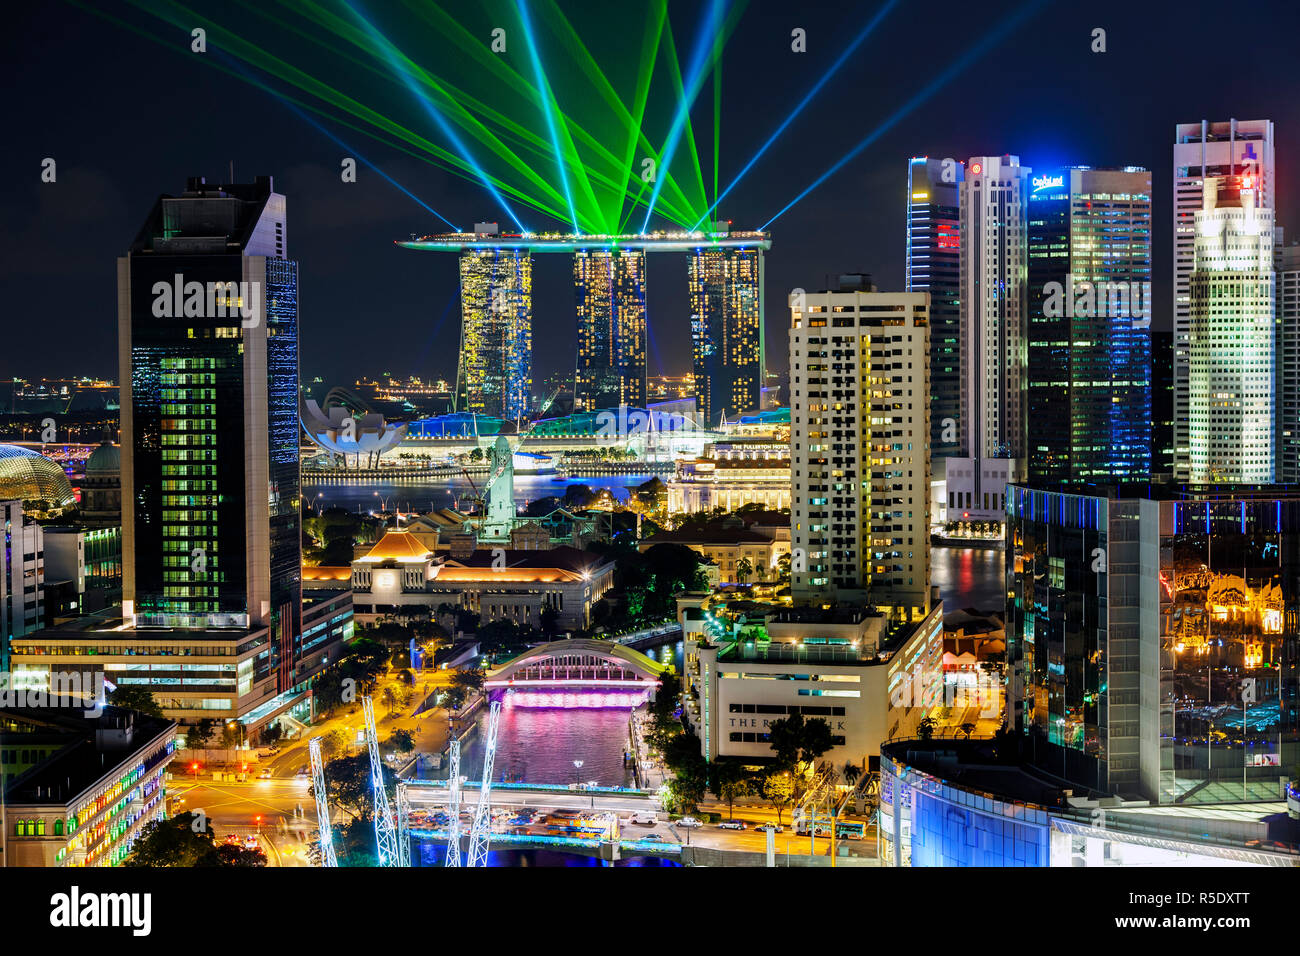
[(725, 276)]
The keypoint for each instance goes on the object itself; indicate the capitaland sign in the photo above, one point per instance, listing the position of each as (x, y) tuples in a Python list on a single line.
[(1048, 182)]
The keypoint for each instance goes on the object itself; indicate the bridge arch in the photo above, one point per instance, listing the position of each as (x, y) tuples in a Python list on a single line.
[(578, 662)]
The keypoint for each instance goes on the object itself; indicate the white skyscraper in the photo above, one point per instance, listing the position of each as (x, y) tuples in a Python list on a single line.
[(1231, 148), (994, 263), (859, 447), (1230, 343)]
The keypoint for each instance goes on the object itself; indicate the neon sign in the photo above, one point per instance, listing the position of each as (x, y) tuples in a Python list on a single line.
[(1048, 182)]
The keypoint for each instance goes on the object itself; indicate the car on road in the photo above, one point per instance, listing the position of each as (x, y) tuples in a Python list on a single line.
[(774, 827), (689, 822), (264, 775), (731, 825), (302, 772), (644, 817), (521, 821), (652, 838)]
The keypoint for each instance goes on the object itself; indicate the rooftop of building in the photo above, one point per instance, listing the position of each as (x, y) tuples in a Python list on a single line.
[(27, 475), (94, 747), (668, 241), (976, 767), (1167, 492), (562, 558)]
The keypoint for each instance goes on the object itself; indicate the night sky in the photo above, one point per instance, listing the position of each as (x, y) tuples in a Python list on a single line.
[(127, 119)]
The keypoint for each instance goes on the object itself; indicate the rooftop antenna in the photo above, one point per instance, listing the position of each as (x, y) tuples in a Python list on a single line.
[(232, 172)]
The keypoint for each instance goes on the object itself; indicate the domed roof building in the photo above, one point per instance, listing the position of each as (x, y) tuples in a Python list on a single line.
[(101, 489), (26, 475)]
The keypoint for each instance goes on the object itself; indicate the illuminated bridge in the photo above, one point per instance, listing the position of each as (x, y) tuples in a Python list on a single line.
[(577, 673)]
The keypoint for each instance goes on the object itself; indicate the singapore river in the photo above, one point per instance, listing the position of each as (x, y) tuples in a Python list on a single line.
[(540, 743)]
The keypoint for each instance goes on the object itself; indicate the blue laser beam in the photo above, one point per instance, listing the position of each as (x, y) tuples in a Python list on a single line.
[(825, 78), (435, 114), (695, 75), (543, 94), (961, 63), (239, 68)]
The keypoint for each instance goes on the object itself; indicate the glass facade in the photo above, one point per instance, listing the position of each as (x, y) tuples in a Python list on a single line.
[(1089, 346), (1154, 645), (188, 453), (726, 297), (609, 288), (495, 375)]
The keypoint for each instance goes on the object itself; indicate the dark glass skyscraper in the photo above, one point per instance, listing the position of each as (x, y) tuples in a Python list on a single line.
[(609, 286), (1088, 385), (208, 358), (934, 266)]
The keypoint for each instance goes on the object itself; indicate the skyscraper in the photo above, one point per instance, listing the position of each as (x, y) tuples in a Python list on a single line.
[(1286, 363), (1088, 382), (610, 290), (208, 359), (991, 424), (1231, 148), (726, 295), (860, 464), (934, 266), (1231, 336), (1162, 405), (495, 375)]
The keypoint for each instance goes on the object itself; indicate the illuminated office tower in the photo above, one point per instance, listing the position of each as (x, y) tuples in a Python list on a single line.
[(1230, 342), (1088, 372), (208, 364), (495, 375), (1286, 365), (1232, 148), (726, 293), (859, 430), (934, 266), (609, 286), (991, 423)]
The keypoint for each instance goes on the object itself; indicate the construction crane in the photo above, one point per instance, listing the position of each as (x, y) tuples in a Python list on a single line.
[(403, 825), (453, 808), (322, 805), (385, 833), (481, 834)]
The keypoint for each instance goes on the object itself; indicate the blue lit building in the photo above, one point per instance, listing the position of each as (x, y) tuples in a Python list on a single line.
[(1088, 385)]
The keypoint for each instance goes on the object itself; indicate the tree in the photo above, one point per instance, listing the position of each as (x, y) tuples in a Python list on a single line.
[(468, 679), (925, 729), (778, 789), (135, 698), (347, 784), (334, 742), (851, 772), (197, 737), (968, 728), (402, 741), (550, 621), (183, 840), (744, 568), (730, 782), (797, 741), (187, 840)]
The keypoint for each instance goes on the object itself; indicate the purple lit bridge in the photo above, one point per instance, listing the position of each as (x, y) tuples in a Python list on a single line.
[(576, 673)]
